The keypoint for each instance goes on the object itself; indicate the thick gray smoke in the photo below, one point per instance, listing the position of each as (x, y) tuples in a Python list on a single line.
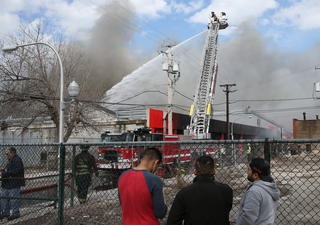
[(109, 47), (260, 70)]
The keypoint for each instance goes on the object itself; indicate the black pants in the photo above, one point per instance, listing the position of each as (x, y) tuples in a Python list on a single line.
[(83, 183)]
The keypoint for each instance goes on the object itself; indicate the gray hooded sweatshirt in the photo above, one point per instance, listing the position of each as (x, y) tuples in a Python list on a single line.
[(259, 204)]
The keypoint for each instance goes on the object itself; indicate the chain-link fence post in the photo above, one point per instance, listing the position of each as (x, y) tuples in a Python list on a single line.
[(62, 155), (267, 150), (234, 157), (73, 172), (179, 159)]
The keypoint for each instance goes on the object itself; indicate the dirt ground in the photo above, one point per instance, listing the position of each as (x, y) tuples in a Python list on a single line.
[(88, 214)]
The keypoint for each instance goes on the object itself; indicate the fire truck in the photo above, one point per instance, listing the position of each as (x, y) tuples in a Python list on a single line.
[(114, 160), (124, 154)]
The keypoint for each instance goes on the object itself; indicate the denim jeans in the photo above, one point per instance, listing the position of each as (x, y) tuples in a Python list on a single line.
[(13, 203)]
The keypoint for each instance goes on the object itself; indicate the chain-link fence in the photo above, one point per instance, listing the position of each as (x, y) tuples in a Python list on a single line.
[(50, 197)]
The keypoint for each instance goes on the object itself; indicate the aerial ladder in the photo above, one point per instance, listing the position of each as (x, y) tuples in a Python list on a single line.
[(201, 109)]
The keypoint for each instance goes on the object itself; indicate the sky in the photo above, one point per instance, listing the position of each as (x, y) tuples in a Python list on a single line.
[(270, 50), (291, 24)]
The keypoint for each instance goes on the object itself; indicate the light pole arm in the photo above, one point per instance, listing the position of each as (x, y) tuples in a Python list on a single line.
[(61, 133), (10, 49)]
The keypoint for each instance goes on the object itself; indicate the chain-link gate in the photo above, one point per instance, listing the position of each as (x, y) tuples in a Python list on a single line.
[(294, 166)]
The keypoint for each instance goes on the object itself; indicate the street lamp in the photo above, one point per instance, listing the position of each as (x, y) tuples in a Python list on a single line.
[(14, 48), (73, 89)]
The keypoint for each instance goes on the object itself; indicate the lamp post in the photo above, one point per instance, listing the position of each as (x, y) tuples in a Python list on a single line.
[(73, 90), (14, 48)]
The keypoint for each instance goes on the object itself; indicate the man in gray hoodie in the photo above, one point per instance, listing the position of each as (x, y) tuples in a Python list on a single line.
[(261, 199)]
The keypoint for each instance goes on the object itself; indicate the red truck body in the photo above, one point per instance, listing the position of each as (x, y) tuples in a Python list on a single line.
[(115, 159)]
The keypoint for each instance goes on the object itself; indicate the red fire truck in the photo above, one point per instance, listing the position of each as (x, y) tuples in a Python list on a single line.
[(121, 156), (115, 159)]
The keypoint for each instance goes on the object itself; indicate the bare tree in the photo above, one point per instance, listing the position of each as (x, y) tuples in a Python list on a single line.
[(29, 77), (29, 80)]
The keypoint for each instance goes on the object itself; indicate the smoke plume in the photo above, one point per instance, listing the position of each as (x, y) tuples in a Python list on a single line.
[(263, 72), (264, 75), (109, 46)]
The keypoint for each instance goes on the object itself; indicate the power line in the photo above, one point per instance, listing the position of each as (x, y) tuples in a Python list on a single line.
[(265, 100), (274, 110), (271, 100), (181, 94), (138, 94)]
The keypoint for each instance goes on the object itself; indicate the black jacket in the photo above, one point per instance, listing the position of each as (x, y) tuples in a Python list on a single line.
[(13, 174), (203, 202), (85, 163)]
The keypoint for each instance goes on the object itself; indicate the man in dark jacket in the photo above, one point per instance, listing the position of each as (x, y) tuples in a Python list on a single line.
[(85, 165), (203, 202), (12, 177)]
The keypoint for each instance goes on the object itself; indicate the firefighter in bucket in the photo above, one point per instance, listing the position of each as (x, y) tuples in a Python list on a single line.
[(85, 165)]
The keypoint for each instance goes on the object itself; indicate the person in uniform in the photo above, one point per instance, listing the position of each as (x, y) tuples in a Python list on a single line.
[(85, 165)]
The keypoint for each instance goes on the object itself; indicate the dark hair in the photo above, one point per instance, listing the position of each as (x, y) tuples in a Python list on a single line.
[(204, 165), (151, 154), (13, 150), (84, 147), (262, 168)]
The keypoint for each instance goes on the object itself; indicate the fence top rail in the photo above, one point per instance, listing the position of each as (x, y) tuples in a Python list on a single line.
[(31, 145), (242, 141), (144, 143), (296, 141)]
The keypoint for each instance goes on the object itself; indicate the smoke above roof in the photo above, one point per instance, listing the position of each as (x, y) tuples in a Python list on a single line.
[(109, 48), (276, 84)]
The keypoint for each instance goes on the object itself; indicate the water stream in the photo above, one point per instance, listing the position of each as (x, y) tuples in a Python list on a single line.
[(275, 84)]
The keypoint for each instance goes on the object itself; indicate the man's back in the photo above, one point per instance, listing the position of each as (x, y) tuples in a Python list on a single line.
[(203, 202), (141, 197)]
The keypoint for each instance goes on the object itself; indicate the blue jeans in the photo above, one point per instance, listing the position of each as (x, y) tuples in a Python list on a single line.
[(13, 203)]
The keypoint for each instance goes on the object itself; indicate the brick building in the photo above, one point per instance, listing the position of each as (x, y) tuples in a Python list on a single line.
[(306, 129)]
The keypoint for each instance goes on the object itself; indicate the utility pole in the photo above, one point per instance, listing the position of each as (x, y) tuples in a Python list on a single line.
[(227, 91), (316, 87), (173, 73)]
